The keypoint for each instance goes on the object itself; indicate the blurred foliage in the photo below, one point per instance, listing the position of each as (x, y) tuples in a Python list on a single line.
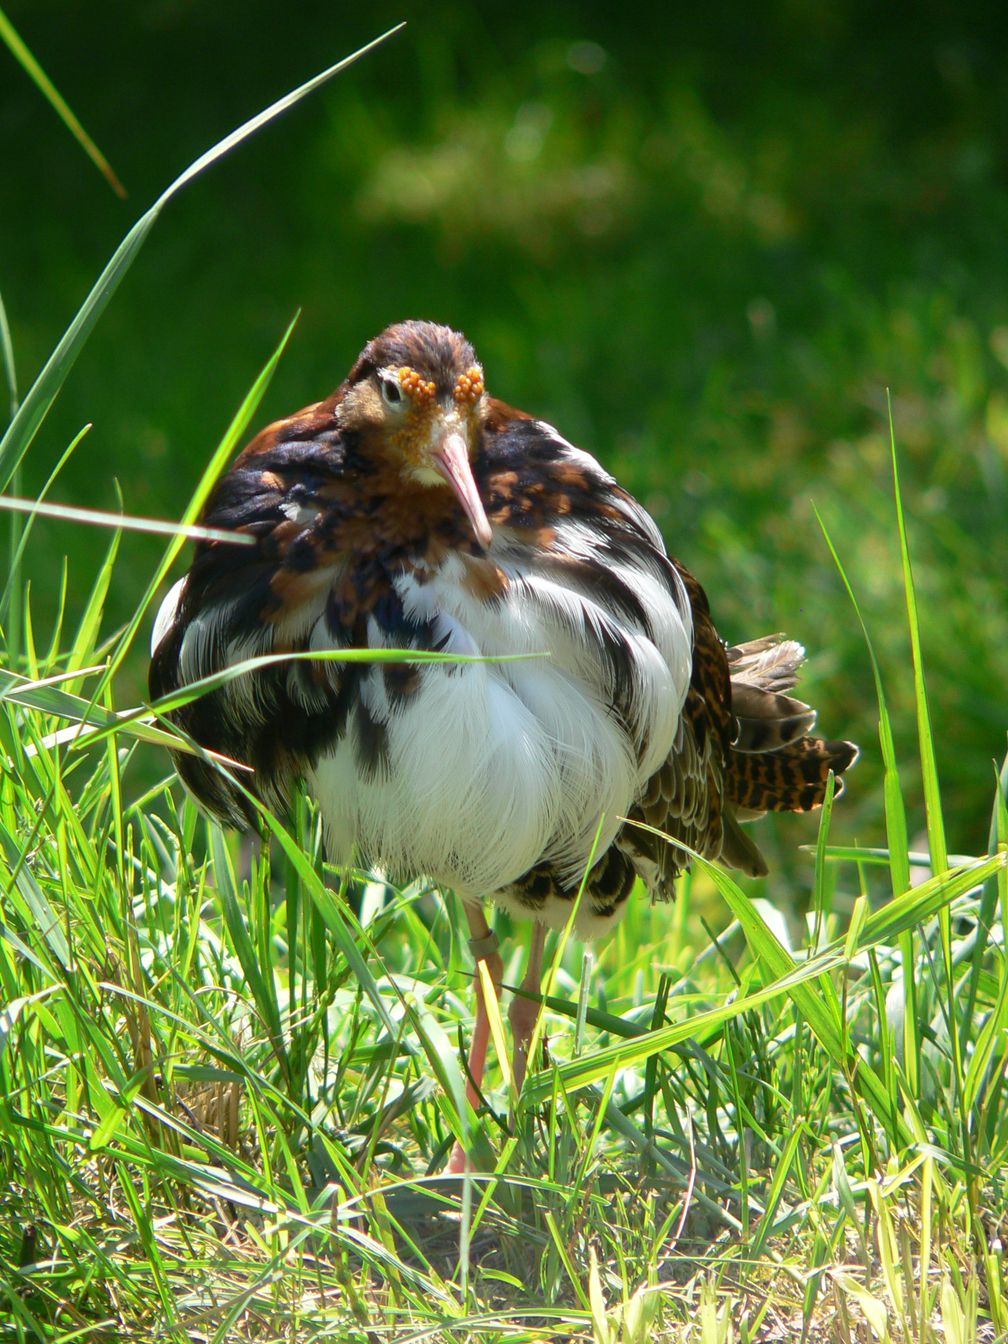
[(702, 241)]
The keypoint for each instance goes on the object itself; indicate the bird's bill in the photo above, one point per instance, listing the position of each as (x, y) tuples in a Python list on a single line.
[(451, 458)]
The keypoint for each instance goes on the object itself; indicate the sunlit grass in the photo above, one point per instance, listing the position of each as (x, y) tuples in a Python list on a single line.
[(224, 1094)]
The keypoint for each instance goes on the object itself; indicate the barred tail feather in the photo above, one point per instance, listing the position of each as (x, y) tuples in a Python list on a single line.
[(790, 779), (775, 765), (767, 720)]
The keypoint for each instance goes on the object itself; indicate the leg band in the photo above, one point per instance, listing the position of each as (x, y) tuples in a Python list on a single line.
[(481, 948)]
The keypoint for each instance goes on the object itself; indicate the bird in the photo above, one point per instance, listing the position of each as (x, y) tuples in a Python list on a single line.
[(412, 510)]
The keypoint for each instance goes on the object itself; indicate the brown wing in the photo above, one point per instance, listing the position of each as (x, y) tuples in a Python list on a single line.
[(743, 749), (684, 799)]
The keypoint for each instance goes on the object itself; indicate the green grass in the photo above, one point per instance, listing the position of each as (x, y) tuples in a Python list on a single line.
[(222, 1095), (772, 1110)]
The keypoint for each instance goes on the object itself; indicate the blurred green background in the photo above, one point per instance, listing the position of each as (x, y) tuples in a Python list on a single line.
[(702, 241)]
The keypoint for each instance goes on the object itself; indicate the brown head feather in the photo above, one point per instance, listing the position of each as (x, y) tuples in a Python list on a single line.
[(436, 352)]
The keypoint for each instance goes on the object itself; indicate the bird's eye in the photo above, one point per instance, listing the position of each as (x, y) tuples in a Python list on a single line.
[(392, 393)]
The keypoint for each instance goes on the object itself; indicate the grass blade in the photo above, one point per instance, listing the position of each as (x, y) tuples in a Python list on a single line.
[(896, 825), (124, 521), (45, 86), (13, 591), (43, 393), (929, 767), (224, 450), (7, 354)]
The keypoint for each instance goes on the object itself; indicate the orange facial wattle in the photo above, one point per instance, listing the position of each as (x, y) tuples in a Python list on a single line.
[(417, 388), (469, 386)]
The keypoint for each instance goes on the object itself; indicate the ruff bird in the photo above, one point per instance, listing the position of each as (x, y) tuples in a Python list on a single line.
[(412, 510)]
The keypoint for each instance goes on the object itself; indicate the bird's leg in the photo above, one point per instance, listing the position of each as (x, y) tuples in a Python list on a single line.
[(524, 1011), (483, 944)]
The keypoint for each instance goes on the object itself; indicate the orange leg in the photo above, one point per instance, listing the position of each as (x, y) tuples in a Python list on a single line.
[(483, 943), (523, 1011)]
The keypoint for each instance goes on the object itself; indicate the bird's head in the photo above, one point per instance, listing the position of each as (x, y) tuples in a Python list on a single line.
[(415, 398)]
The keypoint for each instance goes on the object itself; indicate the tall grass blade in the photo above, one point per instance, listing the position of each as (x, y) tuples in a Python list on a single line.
[(937, 847), (896, 828), (124, 521), (20, 532), (45, 86), (895, 812), (7, 355), (45, 696), (218, 459), (987, 913), (16, 532), (43, 393), (929, 767)]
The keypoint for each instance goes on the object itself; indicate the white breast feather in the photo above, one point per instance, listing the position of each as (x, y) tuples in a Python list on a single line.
[(165, 618), (495, 767), (639, 516)]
